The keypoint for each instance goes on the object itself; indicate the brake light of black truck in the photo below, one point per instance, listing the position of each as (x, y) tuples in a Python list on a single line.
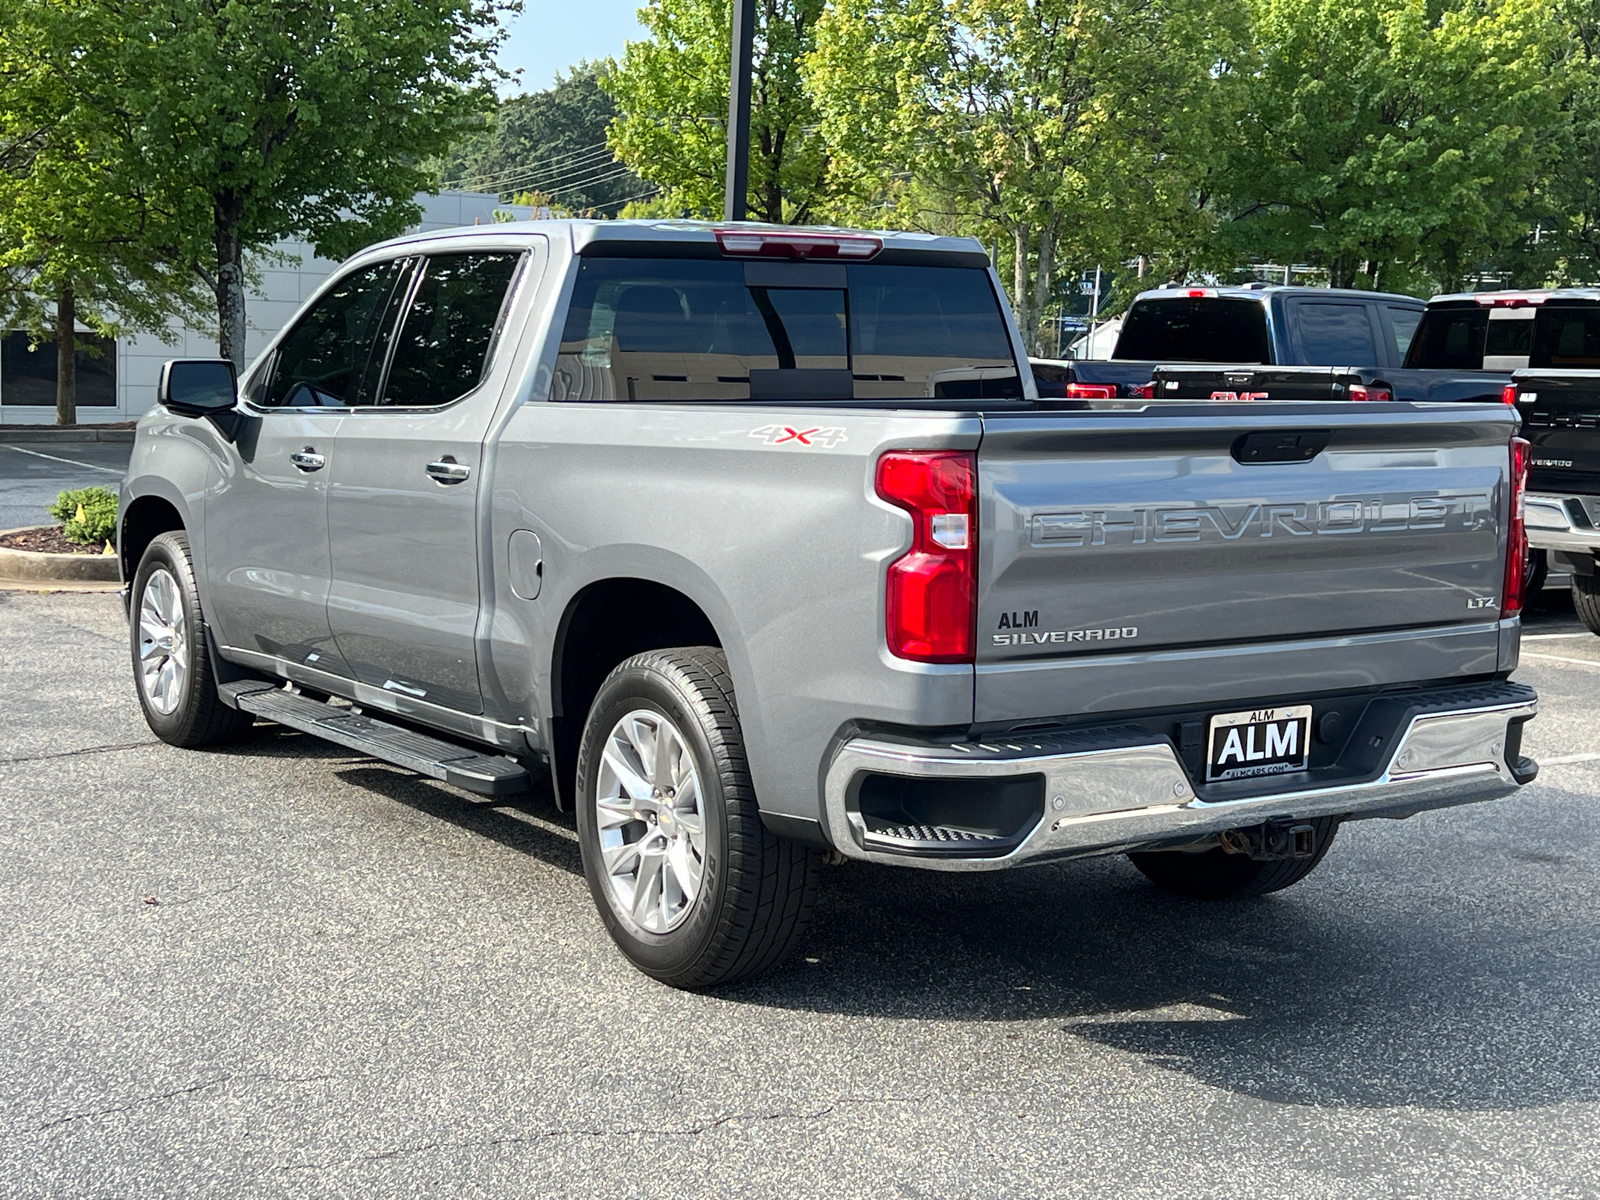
[(1091, 391), (1516, 532), (1359, 391), (931, 601), (1145, 391)]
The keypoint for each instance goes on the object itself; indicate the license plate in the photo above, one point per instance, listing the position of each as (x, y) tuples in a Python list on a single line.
[(1262, 741)]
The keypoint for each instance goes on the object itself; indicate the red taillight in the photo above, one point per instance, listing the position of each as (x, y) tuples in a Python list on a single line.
[(931, 609), (1145, 391), (762, 244), (1508, 394), (1362, 392), (1517, 532), (1091, 391)]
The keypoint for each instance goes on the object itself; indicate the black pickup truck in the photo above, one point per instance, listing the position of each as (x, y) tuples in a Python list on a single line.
[(1557, 392), (1281, 343)]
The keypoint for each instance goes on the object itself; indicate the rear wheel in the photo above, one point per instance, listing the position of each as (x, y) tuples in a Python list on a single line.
[(171, 668), (1586, 599), (692, 886), (1218, 875)]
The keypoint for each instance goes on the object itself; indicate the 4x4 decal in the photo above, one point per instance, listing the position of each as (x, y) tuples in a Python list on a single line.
[(778, 435)]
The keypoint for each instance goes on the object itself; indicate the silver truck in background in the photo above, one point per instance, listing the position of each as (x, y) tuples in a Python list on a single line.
[(760, 541)]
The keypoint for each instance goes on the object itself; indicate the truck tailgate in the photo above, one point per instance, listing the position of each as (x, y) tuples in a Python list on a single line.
[(1236, 529)]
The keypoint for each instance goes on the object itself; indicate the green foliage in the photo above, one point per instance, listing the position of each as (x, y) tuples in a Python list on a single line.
[(243, 123), (98, 522), (672, 93), (1387, 138), (1067, 130), (550, 146)]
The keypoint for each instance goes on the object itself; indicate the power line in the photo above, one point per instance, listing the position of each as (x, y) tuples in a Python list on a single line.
[(561, 164)]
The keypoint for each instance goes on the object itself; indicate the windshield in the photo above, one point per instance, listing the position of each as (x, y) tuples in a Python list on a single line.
[(720, 329), (1200, 330)]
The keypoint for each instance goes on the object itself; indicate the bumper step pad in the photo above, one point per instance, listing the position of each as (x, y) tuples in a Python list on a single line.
[(485, 774)]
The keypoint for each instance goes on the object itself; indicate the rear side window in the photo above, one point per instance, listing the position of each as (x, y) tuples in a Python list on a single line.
[(1201, 330), (1404, 322), (1566, 337), (719, 329), (443, 346), (1450, 339), (1335, 335), (326, 360)]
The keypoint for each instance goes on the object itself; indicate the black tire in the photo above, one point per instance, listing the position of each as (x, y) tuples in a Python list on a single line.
[(757, 891), (1586, 600), (199, 717), (1538, 570), (1218, 875)]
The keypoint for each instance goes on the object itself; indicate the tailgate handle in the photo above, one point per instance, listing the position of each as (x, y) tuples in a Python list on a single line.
[(1281, 445)]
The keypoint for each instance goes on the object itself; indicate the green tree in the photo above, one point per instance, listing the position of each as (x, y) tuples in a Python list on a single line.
[(1383, 139), (1067, 130), (80, 238), (1573, 188), (250, 123), (552, 144), (672, 92)]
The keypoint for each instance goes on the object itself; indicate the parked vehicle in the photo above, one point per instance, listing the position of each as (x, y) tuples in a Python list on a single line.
[(760, 541), (1260, 324), (1557, 391)]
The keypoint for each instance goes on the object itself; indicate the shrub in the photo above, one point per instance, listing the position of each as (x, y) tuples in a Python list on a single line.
[(98, 520)]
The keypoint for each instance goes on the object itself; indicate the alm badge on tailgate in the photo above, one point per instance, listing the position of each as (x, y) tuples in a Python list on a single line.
[(1262, 741)]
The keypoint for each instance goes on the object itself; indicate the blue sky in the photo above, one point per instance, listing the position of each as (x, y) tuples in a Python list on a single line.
[(551, 35)]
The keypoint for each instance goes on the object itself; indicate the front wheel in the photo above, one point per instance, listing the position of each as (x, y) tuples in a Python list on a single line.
[(1218, 875), (692, 887), (171, 668)]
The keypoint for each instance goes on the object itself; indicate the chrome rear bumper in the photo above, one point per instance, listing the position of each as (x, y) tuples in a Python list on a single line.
[(1560, 523), (1108, 799)]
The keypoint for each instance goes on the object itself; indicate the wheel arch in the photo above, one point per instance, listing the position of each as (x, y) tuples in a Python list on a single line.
[(145, 518)]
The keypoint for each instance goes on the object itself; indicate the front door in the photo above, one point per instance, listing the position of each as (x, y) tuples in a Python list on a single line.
[(267, 553), (402, 510)]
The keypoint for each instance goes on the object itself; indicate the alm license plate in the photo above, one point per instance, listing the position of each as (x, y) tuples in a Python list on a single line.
[(1262, 741)]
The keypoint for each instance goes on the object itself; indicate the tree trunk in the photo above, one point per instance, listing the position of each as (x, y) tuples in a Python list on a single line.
[(66, 356), (230, 283), (1027, 321), (1043, 279)]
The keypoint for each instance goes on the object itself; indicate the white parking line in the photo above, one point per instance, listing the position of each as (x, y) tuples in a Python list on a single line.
[(71, 462), (1577, 662), (1564, 759), (1550, 637)]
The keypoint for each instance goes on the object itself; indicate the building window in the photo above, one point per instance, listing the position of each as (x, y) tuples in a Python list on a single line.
[(28, 375)]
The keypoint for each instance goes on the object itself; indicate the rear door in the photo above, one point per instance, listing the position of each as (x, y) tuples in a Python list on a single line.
[(1334, 333), (402, 508)]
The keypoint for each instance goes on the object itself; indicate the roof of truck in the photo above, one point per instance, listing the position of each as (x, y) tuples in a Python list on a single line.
[(591, 236), (1261, 291), (1517, 297)]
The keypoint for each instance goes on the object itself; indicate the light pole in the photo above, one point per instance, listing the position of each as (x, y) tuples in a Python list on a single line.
[(740, 70)]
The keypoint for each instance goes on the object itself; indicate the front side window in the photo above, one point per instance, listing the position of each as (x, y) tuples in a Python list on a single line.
[(442, 349), (327, 359), (721, 329), (1404, 321), (1336, 335)]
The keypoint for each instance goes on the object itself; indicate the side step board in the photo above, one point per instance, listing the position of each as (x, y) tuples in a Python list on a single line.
[(485, 774)]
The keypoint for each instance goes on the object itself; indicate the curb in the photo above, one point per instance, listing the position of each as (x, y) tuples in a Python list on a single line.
[(74, 433), (29, 567)]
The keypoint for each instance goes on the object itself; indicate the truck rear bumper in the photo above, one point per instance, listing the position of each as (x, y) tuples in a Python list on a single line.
[(1561, 523), (1115, 789)]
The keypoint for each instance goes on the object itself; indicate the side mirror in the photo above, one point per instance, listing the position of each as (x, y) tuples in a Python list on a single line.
[(197, 387)]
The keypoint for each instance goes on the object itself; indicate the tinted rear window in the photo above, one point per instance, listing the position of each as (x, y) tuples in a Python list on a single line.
[(1450, 339), (708, 329), (1404, 322), (1566, 337), (1198, 330)]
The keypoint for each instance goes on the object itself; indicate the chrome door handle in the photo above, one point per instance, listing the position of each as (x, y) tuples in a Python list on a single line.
[(308, 459), (448, 470)]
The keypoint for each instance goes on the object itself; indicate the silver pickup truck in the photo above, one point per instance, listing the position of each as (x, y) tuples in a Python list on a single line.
[(760, 541)]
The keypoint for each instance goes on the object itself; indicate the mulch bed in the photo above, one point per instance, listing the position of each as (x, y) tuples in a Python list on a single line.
[(49, 540)]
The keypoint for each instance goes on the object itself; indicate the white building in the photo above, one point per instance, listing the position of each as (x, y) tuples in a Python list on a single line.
[(121, 383)]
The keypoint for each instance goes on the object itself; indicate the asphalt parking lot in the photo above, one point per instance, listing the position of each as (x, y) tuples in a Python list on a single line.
[(32, 475), (278, 970)]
